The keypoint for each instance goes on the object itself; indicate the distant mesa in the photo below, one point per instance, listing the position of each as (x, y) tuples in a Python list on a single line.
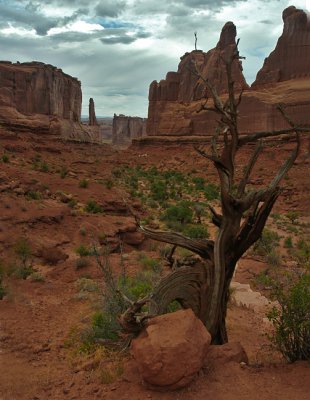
[(284, 78), (126, 128)]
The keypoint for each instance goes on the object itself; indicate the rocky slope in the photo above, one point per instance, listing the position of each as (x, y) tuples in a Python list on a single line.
[(173, 102)]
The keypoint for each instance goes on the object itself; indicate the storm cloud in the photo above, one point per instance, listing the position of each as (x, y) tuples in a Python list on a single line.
[(118, 47)]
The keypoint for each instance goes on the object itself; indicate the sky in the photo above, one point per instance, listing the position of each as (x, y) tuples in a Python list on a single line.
[(116, 48)]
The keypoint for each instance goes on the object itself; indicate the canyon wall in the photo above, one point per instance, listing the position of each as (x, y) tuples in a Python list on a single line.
[(127, 128), (40, 98), (284, 78)]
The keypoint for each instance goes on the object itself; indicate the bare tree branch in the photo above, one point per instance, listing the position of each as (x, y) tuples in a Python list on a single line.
[(199, 246), (249, 169)]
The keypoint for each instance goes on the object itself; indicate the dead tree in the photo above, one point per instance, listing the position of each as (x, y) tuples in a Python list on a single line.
[(204, 286)]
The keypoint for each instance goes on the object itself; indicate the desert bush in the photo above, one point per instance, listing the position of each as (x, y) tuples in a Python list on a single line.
[(37, 277), (212, 192), (148, 262), (23, 251), (5, 158), (180, 212), (83, 183), (267, 242), (292, 216), (34, 195), (288, 242), (93, 207), (292, 319), (83, 251), (196, 231), (199, 183), (302, 252)]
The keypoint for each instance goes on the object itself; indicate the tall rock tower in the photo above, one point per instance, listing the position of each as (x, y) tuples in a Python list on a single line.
[(92, 121)]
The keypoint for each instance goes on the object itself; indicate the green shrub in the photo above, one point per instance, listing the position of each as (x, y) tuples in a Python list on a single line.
[(83, 183), (180, 212), (292, 320), (34, 195), (267, 242), (211, 192), (37, 277), (196, 231), (148, 262), (288, 242), (199, 183), (302, 253), (83, 251), (93, 207), (292, 216), (5, 158), (43, 167)]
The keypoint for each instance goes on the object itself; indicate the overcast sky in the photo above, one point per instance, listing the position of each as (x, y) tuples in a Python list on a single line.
[(118, 47)]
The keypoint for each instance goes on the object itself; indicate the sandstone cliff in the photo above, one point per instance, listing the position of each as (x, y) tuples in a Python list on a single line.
[(291, 57), (183, 87), (39, 98), (127, 128)]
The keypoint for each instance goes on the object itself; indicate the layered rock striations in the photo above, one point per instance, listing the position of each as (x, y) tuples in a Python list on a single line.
[(40, 98), (37, 88), (284, 78), (127, 128), (291, 57)]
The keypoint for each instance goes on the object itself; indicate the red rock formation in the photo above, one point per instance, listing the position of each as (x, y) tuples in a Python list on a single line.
[(126, 128), (174, 101), (92, 115), (184, 87), (291, 57), (37, 88), (40, 98)]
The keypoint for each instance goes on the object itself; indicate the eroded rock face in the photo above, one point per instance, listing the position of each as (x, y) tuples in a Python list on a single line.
[(38, 88), (127, 128), (291, 57), (171, 350), (39, 98)]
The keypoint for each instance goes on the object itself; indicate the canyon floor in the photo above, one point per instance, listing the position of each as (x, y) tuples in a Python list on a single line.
[(45, 187)]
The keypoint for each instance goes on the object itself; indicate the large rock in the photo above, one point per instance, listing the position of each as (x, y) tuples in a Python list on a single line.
[(291, 57), (171, 350), (127, 128)]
